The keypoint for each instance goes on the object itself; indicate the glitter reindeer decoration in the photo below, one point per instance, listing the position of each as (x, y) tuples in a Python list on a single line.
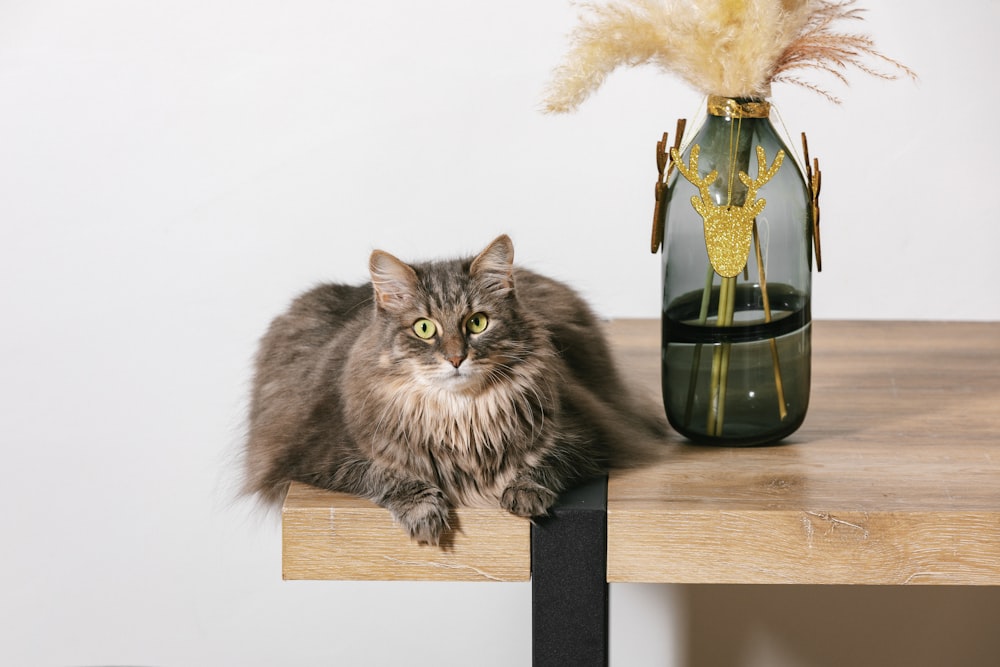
[(728, 228)]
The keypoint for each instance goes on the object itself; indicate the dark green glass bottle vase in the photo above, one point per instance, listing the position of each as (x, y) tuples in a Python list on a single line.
[(737, 269)]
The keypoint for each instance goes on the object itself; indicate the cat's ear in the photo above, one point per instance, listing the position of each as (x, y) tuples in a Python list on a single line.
[(495, 265), (394, 282)]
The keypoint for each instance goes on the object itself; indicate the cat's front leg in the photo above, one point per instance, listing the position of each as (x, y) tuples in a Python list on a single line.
[(420, 508), (570, 459)]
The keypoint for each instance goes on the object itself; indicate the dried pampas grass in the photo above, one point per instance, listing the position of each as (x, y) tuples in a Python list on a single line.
[(735, 48)]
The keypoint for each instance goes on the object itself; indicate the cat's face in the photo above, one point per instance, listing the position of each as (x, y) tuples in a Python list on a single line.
[(451, 326)]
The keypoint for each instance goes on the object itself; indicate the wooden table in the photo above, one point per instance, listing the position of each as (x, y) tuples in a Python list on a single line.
[(893, 479)]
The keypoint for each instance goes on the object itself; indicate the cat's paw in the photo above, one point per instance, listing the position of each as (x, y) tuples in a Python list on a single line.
[(423, 515), (527, 498)]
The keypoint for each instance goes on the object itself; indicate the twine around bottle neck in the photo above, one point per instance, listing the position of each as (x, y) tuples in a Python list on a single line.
[(729, 107)]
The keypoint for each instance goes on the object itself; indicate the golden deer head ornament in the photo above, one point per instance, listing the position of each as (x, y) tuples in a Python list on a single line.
[(728, 229)]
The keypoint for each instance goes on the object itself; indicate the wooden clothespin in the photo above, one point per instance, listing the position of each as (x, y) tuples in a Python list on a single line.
[(664, 167)]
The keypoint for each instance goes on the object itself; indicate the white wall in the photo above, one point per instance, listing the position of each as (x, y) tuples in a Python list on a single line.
[(171, 173)]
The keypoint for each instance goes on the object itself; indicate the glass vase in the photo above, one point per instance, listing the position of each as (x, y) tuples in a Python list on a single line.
[(737, 268)]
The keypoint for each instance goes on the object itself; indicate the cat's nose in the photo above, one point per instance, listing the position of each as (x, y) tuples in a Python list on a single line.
[(456, 360)]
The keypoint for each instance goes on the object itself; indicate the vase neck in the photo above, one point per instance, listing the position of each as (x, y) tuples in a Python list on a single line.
[(727, 140), (738, 107)]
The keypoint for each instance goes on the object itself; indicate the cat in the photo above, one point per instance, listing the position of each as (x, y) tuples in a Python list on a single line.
[(469, 382)]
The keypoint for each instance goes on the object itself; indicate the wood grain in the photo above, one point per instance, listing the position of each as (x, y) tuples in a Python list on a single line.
[(336, 536), (893, 479)]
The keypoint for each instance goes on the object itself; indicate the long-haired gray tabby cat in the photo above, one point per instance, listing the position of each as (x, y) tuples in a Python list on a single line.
[(465, 382)]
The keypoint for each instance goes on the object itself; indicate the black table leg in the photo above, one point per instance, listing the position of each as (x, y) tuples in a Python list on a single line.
[(569, 590)]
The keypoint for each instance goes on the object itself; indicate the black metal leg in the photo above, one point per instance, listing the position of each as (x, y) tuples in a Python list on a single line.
[(569, 589)]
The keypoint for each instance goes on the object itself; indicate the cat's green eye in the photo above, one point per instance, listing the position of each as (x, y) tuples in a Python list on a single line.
[(476, 323), (424, 328)]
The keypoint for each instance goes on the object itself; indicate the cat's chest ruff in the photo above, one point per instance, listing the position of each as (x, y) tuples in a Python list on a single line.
[(426, 418), (464, 422)]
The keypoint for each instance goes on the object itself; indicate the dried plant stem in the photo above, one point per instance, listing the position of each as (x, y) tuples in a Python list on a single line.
[(706, 298), (720, 358), (778, 385), (727, 349)]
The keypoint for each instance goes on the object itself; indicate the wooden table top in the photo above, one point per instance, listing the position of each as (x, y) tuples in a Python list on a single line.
[(894, 478)]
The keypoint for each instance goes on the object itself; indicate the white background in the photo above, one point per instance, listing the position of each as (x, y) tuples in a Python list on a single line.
[(172, 173)]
